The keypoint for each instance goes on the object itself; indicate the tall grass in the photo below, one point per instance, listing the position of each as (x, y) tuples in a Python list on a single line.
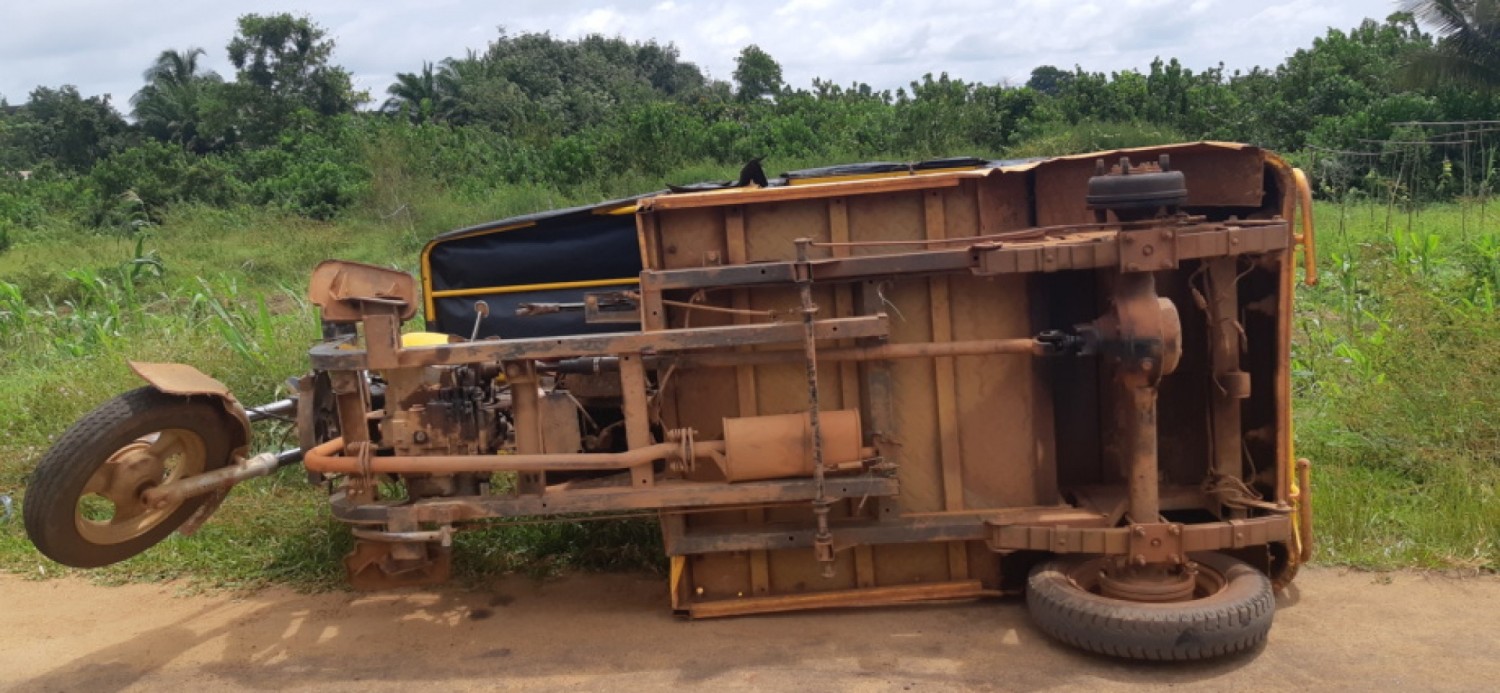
[(223, 289), (1397, 377)]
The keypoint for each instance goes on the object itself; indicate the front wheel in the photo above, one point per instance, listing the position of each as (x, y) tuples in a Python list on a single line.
[(83, 507), (1230, 610)]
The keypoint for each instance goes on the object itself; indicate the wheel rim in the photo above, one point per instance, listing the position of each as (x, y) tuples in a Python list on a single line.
[(110, 510), (1090, 575)]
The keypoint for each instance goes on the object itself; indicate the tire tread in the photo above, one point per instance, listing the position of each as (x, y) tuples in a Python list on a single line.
[(1200, 629)]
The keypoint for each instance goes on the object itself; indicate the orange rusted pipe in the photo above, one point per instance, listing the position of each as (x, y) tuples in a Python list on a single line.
[(1304, 509), (1308, 238), (977, 347)]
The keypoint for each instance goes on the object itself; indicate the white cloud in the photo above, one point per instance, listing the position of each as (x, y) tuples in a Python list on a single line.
[(601, 21), (103, 45)]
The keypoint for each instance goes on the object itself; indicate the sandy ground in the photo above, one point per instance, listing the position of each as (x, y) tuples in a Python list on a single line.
[(1334, 630)]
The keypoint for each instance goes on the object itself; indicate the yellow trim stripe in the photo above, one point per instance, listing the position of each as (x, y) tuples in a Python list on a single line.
[(427, 283), (869, 176), (523, 288)]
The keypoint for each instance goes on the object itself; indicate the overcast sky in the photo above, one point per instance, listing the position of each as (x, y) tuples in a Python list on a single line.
[(102, 46)]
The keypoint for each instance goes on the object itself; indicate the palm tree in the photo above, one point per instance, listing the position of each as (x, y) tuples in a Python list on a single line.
[(1468, 51), (420, 96), (169, 107)]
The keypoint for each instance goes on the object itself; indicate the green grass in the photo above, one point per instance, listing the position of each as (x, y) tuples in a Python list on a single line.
[(1397, 392), (1397, 377), (223, 290)]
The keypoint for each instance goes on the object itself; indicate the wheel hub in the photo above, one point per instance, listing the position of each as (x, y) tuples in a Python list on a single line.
[(1154, 584), (111, 508)]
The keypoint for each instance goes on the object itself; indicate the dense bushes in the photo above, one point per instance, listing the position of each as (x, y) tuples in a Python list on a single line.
[(533, 110)]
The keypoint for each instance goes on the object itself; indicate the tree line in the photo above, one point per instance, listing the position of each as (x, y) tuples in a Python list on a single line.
[(288, 130)]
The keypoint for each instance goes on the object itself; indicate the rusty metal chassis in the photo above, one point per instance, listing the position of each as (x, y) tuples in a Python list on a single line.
[(1061, 529)]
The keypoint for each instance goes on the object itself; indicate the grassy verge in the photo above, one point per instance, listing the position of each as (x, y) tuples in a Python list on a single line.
[(1397, 393), (1397, 388)]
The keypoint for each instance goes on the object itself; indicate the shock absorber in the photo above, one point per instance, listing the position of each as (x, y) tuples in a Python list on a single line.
[(823, 538)]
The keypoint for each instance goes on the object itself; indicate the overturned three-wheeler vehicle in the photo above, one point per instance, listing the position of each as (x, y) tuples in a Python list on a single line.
[(854, 386)]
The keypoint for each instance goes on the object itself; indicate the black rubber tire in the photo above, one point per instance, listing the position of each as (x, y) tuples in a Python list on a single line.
[(57, 483), (1234, 619)]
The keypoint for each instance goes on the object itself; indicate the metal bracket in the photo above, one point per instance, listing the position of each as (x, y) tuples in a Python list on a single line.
[(1148, 250), (1156, 543)]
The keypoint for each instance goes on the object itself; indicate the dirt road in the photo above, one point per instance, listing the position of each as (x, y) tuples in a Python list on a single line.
[(1334, 631)]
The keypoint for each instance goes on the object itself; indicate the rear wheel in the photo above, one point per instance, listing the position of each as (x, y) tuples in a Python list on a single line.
[(83, 506), (1230, 610)]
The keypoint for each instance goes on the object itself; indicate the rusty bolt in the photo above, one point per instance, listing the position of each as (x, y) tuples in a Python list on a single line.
[(1132, 267), (419, 437), (1175, 530), (1127, 239), (1138, 531), (1147, 250), (1155, 542), (1139, 560), (1147, 364), (1166, 235)]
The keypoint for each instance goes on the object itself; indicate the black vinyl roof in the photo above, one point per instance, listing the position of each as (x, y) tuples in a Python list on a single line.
[(546, 215), (801, 174)]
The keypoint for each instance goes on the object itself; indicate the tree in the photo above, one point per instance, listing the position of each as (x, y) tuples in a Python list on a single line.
[(1468, 52), (1049, 79), (421, 96), (170, 107), (282, 66), (61, 126), (756, 74)]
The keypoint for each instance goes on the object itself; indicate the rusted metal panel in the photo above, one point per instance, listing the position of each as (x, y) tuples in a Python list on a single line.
[(940, 312), (878, 596), (691, 238), (749, 196), (560, 430), (178, 379), (1218, 178), (997, 412), (772, 230), (908, 564), (798, 535), (340, 288)]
